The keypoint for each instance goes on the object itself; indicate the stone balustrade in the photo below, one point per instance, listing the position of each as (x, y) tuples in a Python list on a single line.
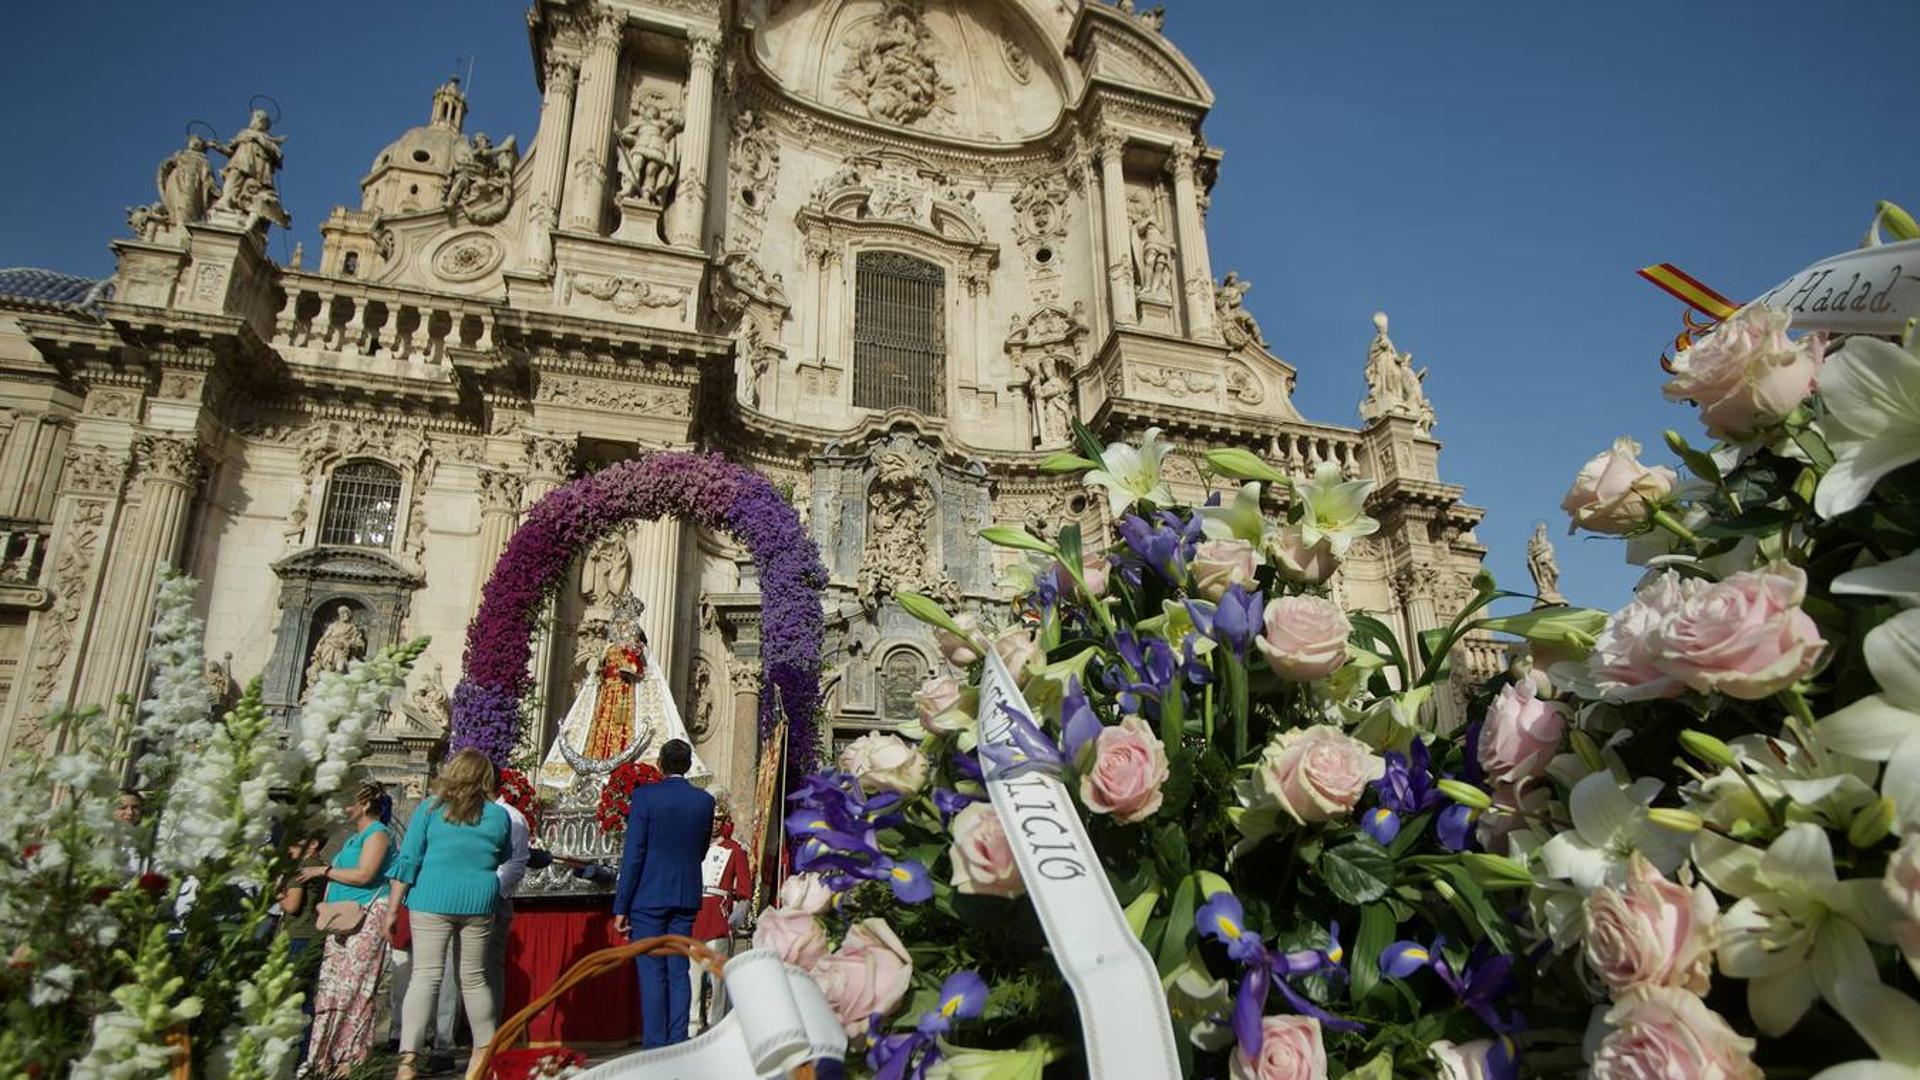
[(330, 315), (1300, 452), (23, 550)]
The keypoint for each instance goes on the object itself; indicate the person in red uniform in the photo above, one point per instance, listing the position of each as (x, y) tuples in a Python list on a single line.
[(726, 885)]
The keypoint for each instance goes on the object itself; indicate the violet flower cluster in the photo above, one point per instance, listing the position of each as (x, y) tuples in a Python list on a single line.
[(705, 489)]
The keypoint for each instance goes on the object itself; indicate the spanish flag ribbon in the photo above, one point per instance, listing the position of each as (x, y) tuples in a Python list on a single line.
[(1684, 287)]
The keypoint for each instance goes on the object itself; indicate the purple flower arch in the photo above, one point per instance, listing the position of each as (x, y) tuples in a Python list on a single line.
[(705, 489)]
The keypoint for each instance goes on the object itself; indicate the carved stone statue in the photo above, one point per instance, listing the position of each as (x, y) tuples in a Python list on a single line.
[(1051, 391), (253, 159), (482, 179), (1393, 386), (609, 569), (428, 701), (649, 155), (892, 70), (186, 185), (341, 644), (1544, 566), (901, 518), (219, 676), (1237, 324), (1152, 256)]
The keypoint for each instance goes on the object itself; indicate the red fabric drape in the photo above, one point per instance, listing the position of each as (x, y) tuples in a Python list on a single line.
[(550, 936)]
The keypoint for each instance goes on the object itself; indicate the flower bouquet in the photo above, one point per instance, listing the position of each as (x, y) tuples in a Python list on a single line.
[(616, 795), (520, 794), (1675, 841)]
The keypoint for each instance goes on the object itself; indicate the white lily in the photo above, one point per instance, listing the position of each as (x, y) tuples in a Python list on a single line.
[(1132, 474), (1610, 824), (1871, 393), (1239, 519), (1886, 726), (1890, 1022), (1334, 509), (1798, 931)]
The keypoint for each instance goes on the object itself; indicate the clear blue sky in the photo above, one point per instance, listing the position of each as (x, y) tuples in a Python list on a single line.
[(1489, 173)]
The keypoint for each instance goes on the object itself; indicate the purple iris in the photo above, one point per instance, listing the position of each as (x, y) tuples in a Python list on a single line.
[(950, 802), (907, 1057), (1455, 826), (1224, 920), (1234, 621), (1478, 982), (1145, 675), (834, 828), (1404, 790), (1033, 747)]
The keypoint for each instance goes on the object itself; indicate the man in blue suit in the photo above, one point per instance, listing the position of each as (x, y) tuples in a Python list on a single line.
[(659, 887)]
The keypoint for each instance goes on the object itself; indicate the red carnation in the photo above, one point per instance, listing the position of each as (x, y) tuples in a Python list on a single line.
[(28, 852), (616, 798), (99, 894), (152, 883)]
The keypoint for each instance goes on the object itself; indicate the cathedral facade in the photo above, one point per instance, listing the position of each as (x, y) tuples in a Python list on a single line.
[(883, 251)]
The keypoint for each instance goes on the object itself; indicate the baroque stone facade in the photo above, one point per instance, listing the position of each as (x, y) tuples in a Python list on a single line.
[(885, 251)]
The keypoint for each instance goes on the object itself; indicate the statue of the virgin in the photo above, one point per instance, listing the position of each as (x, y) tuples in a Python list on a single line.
[(623, 711)]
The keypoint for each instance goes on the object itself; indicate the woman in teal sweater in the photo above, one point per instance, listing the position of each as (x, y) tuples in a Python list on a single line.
[(446, 876)]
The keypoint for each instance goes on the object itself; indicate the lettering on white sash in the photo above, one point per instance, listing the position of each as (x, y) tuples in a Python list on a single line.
[(1868, 291), (1123, 1011)]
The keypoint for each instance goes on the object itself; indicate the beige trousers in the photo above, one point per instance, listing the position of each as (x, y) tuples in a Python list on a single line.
[(433, 935)]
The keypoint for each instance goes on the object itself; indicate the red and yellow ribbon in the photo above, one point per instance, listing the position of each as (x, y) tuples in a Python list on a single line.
[(1698, 296)]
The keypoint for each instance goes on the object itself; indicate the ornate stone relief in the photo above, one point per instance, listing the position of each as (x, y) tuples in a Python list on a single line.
[(739, 281), (480, 186), (500, 491), (754, 169), (72, 569), (626, 295), (549, 456), (1176, 380), (1237, 325), (1041, 214), (894, 71), (94, 471), (113, 403), (404, 446), (466, 257), (170, 459), (608, 569), (901, 550), (701, 699), (1243, 385), (611, 396)]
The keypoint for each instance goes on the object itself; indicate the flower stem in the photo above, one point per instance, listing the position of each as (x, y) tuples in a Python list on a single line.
[(1672, 524)]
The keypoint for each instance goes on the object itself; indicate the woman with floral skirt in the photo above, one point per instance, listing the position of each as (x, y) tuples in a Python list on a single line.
[(353, 963)]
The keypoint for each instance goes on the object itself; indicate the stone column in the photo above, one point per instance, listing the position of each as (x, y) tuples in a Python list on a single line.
[(656, 581), (169, 471), (550, 163), (696, 140), (500, 494), (586, 195), (1113, 207), (549, 463), (1194, 261)]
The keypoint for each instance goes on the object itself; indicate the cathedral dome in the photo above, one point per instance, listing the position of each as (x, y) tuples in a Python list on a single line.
[(429, 148), (980, 70)]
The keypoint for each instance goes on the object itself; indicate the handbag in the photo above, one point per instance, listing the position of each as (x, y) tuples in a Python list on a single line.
[(342, 917), (402, 937)]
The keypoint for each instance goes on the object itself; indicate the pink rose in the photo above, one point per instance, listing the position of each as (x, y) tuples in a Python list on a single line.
[(1521, 733), (806, 892), (961, 651), (1747, 374), (1625, 664), (1663, 1032), (1744, 637), (945, 705), (1290, 1049), (1902, 883), (1466, 1061), (883, 762), (1093, 568), (1306, 637), (1318, 772), (982, 859), (1219, 563), (1651, 933), (1019, 652), (1616, 494), (796, 935), (1129, 769), (1297, 560), (869, 974)]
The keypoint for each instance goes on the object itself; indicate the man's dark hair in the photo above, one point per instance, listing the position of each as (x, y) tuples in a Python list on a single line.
[(676, 757)]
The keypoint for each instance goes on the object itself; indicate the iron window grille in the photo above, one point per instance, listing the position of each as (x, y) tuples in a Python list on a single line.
[(363, 501), (899, 333)]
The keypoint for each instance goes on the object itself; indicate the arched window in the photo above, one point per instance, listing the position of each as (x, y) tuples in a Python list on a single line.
[(899, 333), (363, 503), (903, 671)]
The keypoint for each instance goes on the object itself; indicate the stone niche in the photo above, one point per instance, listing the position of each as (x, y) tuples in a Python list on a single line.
[(314, 584), (891, 514)]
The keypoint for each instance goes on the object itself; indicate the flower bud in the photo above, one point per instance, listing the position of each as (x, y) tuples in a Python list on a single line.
[(1707, 748), (1495, 871), (1465, 794), (1588, 750), (1685, 821), (1872, 824), (1898, 221)]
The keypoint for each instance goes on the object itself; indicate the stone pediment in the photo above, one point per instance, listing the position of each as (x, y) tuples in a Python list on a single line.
[(1113, 46), (361, 566), (1050, 329)]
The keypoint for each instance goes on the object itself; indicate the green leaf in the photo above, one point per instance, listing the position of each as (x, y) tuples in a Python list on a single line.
[(1380, 1068), (1009, 537), (1089, 446), (1173, 947), (1358, 872), (1064, 462), (1245, 465), (928, 611), (1140, 911), (1698, 462), (1069, 541), (1376, 933)]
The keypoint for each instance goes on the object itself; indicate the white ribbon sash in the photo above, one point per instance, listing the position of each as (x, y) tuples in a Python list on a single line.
[(779, 1021), (1868, 291), (1123, 1010)]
